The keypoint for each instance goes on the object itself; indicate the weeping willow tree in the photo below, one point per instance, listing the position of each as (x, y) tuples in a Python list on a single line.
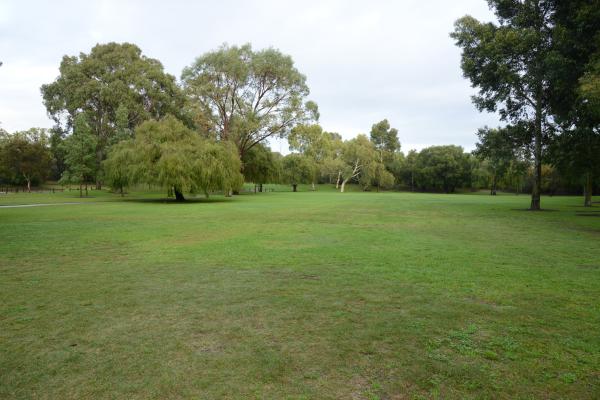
[(165, 153)]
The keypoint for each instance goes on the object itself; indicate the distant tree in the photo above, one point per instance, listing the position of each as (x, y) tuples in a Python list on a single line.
[(80, 154), (331, 170), (408, 169), (508, 63), (112, 79), (385, 140), (361, 163), (57, 150), (375, 173), (443, 168), (297, 169), (497, 149), (320, 146), (261, 165), (516, 173), (248, 96), (25, 157), (167, 154)]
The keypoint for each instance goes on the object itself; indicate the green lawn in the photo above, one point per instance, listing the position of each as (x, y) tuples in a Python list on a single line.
[(299, 296)]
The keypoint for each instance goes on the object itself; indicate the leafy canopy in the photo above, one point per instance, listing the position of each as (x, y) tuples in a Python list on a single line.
[(80, 153), (247, 95), (167, 154), (24, 157)]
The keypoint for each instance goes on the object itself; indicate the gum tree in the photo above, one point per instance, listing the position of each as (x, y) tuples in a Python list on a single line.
[(508, 63), (248, 96)]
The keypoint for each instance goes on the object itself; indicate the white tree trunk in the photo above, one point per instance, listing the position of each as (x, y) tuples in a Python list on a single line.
[(343, 185), (337, 183), (354, 174)]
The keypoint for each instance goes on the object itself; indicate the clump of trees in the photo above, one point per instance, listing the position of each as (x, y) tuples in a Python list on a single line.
[(25, 157)]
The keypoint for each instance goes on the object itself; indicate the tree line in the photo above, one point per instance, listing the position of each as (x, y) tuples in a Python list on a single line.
[(121, 120)]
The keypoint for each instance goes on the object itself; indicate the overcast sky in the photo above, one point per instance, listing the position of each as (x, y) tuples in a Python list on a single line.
[(364, 60)]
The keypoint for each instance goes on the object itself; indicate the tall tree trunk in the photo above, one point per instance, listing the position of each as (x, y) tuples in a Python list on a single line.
[(260, 187), (80, 190), (337, 183), (493, 191), (178, 195), (537, 182), (588, 189), (313, 186), (29, 185), (99, 157), (294, 187)]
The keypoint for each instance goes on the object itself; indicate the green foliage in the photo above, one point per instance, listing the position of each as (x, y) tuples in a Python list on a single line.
[(118, 165), (80, 154), (115, 87), (25, 157), (247, 95), (498, 150), (261, 165), (510, 65), (443, 168), (296, 169), (385, 140), (323, 148), (167, 154), (362, 163), (575, 86)]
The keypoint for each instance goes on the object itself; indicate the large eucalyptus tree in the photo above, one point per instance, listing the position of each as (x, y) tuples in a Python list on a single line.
[(249, 96), (508, 62)]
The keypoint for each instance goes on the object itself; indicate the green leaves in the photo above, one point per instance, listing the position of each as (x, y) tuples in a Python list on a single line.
[(80, 153), (442, 168), (166, 153), (116, 88), (248, 95), (297, 169), (24, 157)]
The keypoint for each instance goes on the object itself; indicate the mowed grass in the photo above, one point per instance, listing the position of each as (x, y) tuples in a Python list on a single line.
[(299, 296)]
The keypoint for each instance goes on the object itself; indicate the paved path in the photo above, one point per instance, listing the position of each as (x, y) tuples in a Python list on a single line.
[(37, 205)]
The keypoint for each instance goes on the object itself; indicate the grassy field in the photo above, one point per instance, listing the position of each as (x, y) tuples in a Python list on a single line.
[(299, 296)]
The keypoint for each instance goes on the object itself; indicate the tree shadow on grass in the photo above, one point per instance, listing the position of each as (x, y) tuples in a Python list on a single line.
[(588, 214), (534, 211), (173, 201)]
